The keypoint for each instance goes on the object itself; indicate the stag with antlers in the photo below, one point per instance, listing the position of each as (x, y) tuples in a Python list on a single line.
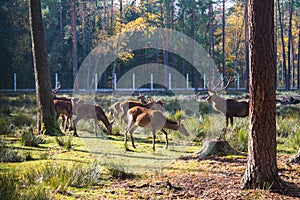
[(143, 117), (228, 107), (63, 107)]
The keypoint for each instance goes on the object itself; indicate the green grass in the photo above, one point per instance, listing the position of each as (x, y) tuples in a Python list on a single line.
[(64, 167)]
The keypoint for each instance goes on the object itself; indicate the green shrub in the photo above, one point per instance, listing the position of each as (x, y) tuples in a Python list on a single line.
[(116, 130), (205, 108), (28, 138), (7, 154), (9, 186), (118, 170), (57, 176), (288, 111), (179, 114), (86, 175), (22, 119), (64, 141), (36, 192), (5, 110), (238, 135), (4, 127), (287, 126), (294, 141)]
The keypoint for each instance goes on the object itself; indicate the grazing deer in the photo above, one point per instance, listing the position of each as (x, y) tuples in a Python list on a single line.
[(143, 117), (126, 105), (91, 111), (228, 107)]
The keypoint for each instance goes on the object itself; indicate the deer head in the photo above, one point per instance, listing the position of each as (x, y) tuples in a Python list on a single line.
[(182, 128), (214, 93), (58, 86)]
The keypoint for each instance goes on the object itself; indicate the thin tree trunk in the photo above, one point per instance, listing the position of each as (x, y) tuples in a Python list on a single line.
[(211, 30), (298, 60), (261, 171), (74, 42), (82, 14), (223, 41), (275, 46), (285, 77), (246, 47), (112, 16), (290, 64), (46, 122), (61, 36)]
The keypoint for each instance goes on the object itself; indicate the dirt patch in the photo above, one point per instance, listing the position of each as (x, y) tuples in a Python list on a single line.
[(206, 179)]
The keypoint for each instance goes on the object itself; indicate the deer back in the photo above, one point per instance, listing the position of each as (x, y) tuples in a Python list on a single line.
[(237, 108), (63, 107)]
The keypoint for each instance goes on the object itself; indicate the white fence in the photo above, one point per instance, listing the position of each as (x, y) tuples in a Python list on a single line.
[(117, 87)]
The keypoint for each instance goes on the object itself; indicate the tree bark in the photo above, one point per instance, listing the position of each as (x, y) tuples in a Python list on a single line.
[(261, 171), (46, 122)]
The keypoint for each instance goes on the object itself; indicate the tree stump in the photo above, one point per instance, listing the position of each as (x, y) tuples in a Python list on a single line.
[(215, 148)]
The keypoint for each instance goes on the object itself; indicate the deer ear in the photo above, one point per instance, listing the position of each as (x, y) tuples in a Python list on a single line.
[(181, 121)]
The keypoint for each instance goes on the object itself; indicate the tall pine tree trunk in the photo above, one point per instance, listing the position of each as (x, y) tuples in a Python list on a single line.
[(46, 122), (290, 62), (285, 77), (246, 47), (261, 169), (223, 42), (298, 60), (74, 41)]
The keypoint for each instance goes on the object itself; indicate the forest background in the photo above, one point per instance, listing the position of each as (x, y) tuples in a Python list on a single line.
[(74, 28)]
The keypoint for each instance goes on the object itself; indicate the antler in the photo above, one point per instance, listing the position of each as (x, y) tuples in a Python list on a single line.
[(229, 81), (58, 86)]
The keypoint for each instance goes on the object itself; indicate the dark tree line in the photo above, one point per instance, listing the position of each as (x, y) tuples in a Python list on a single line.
[(74, 28)]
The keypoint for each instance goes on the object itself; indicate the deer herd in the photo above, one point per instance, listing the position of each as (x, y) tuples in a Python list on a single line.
[(142, 113)]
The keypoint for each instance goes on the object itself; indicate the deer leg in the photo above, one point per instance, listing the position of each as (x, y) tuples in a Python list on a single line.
[(231, 121), (153, 138), (69, 120), (132, 129), (167, 141), (226, 122), (95, 126), (64, 122), (122, 117), (75, 123)]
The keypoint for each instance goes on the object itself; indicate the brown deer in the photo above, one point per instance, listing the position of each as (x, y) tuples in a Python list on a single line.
[(228, 107), (63, 107), (143, 117), (141, 97), (91, 111), (117, 106), (126, 105)]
